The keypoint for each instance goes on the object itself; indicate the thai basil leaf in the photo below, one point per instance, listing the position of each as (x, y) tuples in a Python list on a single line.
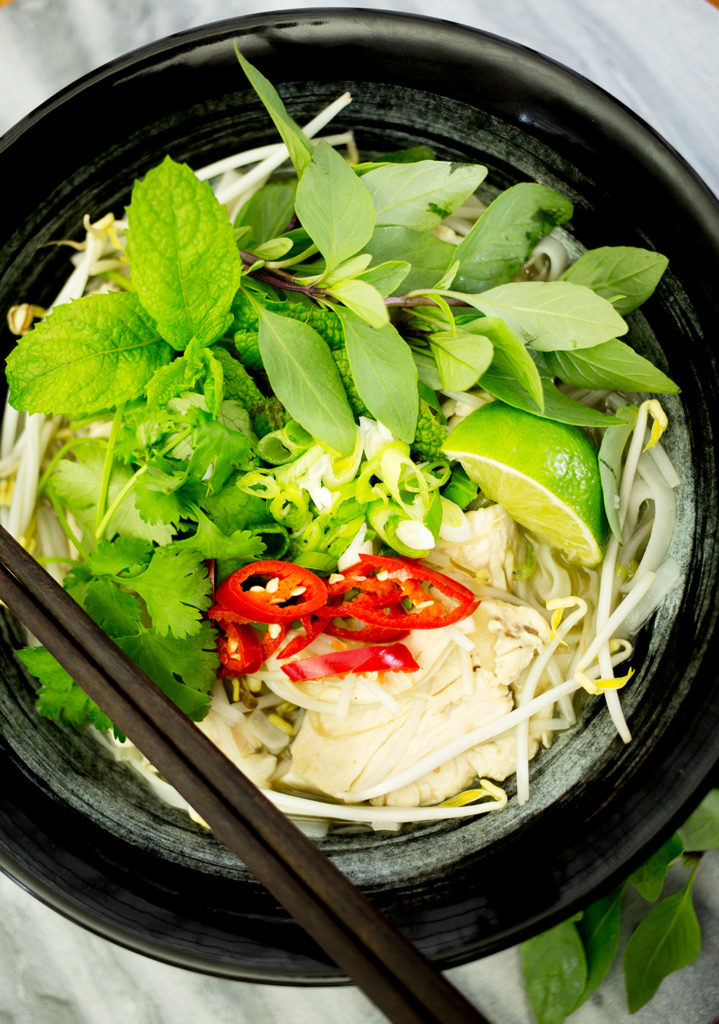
[(549, 315), (399, 156), (556, 405), (334, 206), (305, 378), (599, 931), (420, 195), (363, 299), (610, 464), (555, 972), (267, 213), (701, 830), (623, 274), (665, 941), (298, 145), (87, 356), (386, 277), (649, 877), (428, 256), (185, 264), (461, 358), (510, 362), (612, 364), (384, 373), (502, 239)]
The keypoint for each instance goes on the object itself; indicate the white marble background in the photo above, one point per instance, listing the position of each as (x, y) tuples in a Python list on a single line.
[(660, 57)]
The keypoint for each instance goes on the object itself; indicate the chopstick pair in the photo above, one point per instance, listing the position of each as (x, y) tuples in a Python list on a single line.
[(358, 938)]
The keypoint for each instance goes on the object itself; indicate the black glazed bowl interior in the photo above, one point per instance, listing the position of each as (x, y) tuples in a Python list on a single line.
[(82, 833)]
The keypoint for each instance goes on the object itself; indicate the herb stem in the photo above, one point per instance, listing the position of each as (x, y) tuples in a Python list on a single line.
[(407, 301), (118, 500), (67, 529), (107, 465)]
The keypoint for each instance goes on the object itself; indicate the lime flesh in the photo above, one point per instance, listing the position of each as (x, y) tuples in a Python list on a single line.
[(546, 475)]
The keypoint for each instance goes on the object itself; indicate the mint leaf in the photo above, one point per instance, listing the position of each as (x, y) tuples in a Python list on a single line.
[(305, 378), (334, 206), (384, 373), (89, 355), (666, 940), (184, 669), (599, 930), (176, 590), (701, 830), (610, 365), (649, 877), (58, 696), (461, 358), (294, 138), (185, 264), (267, 213), (623, 274), (419, 195), (555, 972), (502, 239), (549, 315)]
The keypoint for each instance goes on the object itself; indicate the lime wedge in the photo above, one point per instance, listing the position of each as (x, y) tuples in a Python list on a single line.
[(545, 474)]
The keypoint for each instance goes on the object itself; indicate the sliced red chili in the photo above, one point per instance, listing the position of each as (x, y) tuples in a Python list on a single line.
[(372, 634), (313, 626), (424, 612), (239, 649), (383, 658), (272, 591)]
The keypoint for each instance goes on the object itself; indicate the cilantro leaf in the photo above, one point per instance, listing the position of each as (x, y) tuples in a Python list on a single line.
[(76, 482), (184, 669), (210, 542), (185, 264), (175, 588), (110, 557), (88, 355), (59, 697)]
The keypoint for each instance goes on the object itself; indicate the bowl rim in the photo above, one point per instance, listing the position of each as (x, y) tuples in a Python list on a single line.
[(348, 21)]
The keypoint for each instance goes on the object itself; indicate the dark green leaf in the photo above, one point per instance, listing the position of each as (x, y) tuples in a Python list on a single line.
[(428, 256), (176, 589), (599, 930), (183, 669), (384, 373), (701, 830), (298, 145), (420, 195), (59, 697), (502, 239), (305, 378), (649, 877), (461, 358), (89, 355), (267, 213), (624, 275), (665, 941), (555, 972), (549, 315), (334, 206), (612, 364), (210, 542), (185, 263)]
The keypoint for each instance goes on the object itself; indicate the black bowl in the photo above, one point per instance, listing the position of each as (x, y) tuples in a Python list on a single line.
[(84, 834)]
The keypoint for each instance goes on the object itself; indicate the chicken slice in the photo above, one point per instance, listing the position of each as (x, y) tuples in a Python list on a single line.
[(488, 554)]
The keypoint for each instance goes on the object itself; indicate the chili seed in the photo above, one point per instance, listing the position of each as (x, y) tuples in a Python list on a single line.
[(273, 585)]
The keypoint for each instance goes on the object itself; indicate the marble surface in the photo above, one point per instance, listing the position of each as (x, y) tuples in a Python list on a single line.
[(657, 56)]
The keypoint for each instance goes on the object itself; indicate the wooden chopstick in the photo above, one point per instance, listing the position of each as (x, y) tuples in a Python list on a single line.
[(358, 938)]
